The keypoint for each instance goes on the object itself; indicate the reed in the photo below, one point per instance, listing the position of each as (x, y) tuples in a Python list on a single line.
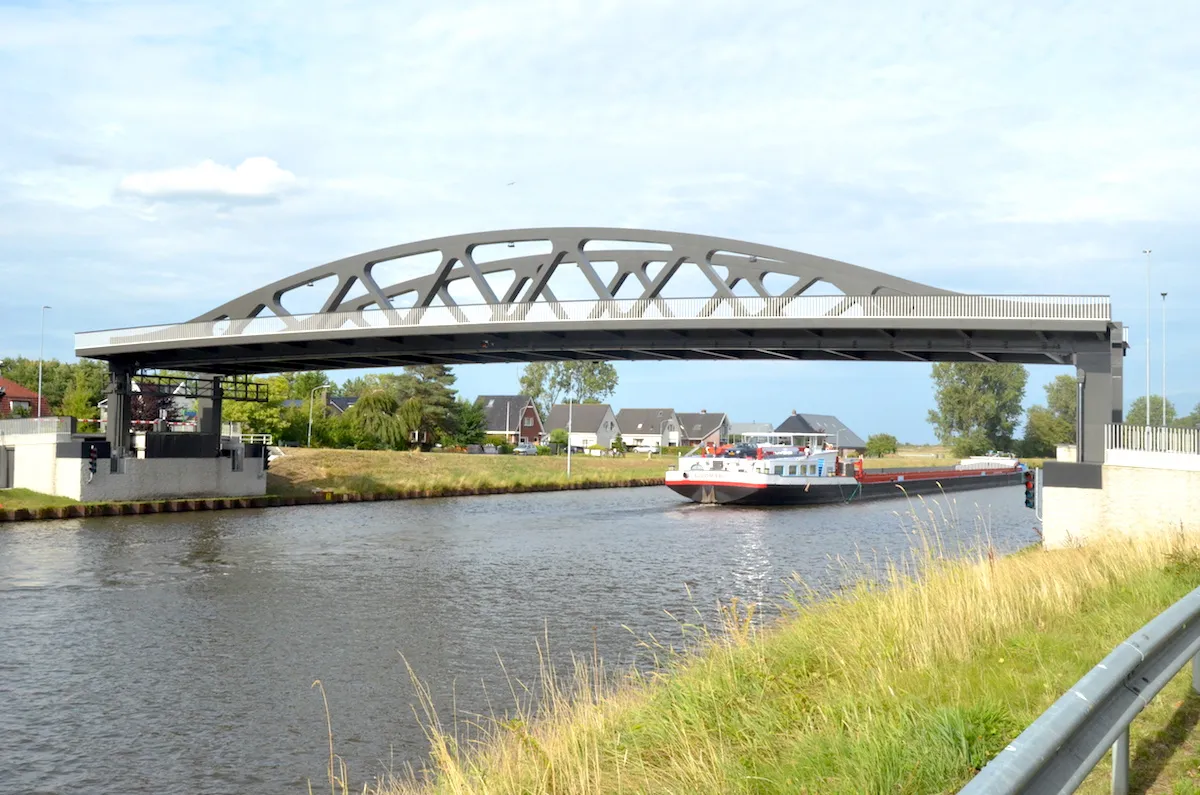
[(906, 680)]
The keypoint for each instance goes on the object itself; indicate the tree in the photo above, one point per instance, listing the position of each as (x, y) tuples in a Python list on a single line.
[(1191, 420), (977, 405), (269, 417), (1048, 426), (301, 385), (618, 444), (881, 444), (1137, 411), (558, 436), (375, 417), (549, 383), (467, 423), (83, 396)]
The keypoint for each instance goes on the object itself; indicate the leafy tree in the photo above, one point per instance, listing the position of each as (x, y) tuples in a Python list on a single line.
[(432, 385), (558, 436), (548, 383), (375, 418), (301, 385), (977, 405), (1137, 411), (619, 444), (468, 425), (57, 377), (269, 417), (1053, 424), (83, 396), (881, 444), (1191, 420)]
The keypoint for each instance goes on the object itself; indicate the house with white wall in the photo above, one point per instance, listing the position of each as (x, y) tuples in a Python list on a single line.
[(649, 427), (590, 423)]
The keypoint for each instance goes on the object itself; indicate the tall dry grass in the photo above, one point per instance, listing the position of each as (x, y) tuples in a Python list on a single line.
[(897, 683)]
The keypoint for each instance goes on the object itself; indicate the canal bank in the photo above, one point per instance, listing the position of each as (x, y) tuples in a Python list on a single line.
[(307, 477), (909, 684)]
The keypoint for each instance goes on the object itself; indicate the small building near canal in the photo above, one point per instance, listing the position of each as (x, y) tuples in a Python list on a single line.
[(591, 424)]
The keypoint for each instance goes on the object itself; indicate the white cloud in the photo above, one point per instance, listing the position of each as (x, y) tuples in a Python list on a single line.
[(256, 179)]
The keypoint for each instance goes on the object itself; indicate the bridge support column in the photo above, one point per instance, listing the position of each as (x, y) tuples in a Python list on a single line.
[(208, 409), (1101, 400), (120, 407)]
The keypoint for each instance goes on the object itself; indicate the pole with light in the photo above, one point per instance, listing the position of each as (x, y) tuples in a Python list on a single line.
[(1146, 251), (312, 397), (1164, 347), (41, 351), (569, 404)]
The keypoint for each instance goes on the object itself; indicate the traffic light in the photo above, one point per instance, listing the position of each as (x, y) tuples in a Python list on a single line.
[(92, 460), (1030, 491)]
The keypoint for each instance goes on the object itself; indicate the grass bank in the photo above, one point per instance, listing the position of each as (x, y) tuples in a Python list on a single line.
[(908, 685), (375, 472), (17, 499)]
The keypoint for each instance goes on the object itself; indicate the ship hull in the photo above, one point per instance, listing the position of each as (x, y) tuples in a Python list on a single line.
[(827, 493)]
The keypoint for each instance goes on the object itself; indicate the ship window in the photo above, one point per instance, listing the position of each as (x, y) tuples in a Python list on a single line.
[(792, 469), (779, 470)]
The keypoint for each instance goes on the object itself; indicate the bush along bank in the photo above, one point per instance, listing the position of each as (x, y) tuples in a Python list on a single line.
[(906, 684)]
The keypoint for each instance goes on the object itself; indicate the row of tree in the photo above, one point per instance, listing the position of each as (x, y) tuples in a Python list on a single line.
[(980, 405)]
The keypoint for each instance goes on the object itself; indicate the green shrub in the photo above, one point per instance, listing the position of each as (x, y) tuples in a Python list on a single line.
[(504, 448), (881, 444), (544, 450), (495, 439)]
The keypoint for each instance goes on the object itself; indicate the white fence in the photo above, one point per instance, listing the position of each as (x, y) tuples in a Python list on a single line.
[(1151, 439), (30, 425), (817, 307)]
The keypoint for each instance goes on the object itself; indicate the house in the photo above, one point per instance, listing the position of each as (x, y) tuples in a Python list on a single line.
[(515, 417), (737, 430), (649, 427), (590, 423), (704, 428), (830, 427), (20, 401)]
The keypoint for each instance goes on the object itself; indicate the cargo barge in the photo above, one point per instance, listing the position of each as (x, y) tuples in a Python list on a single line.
[(796, 469)]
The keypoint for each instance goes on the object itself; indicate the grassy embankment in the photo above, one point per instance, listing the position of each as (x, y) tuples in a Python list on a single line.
[(909, 685), (24, 498)]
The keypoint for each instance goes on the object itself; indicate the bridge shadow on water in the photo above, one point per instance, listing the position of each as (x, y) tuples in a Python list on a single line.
[(1155, 751)]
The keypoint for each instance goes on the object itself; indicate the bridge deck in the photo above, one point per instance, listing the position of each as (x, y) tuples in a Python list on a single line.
[(948, 327)]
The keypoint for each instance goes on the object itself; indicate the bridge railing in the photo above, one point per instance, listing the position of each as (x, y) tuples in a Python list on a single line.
[(657, 310), (34, 425), (1060, 748), (1151, 439)]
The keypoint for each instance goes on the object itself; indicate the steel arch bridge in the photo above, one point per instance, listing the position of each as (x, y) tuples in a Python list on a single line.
[(502, 296)]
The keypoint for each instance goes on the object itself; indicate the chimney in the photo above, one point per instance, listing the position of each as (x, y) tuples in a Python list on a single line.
[(793, 412)]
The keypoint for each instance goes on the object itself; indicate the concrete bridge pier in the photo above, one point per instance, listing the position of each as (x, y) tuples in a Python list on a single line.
[(1101, 399), (120, 408), (208, 408)]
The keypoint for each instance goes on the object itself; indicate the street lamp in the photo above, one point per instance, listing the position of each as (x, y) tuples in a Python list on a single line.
[(312, 396), (1146, 251), (569, 405), (1164, 347), (41, 350)]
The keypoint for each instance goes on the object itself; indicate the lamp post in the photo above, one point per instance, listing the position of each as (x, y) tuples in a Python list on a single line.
[(41, 350), (1146, 251), (1164, 347), (312, 396), (569, 406)]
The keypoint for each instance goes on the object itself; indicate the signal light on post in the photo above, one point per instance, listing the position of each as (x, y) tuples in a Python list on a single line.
[(1030, 491), (92, 460)]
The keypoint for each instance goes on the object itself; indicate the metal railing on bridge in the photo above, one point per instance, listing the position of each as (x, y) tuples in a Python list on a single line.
[(1059, 749), (1151, 439), (827, 307)]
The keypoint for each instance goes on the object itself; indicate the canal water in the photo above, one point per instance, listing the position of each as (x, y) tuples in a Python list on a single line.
[(177, 653)]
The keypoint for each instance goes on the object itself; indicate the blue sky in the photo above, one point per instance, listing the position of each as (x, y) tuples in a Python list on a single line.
[(159, 159)]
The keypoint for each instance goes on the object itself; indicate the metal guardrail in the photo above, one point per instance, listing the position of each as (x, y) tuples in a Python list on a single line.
[(1059, 749), (258, 438), (813, 307), (1151, 438)]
